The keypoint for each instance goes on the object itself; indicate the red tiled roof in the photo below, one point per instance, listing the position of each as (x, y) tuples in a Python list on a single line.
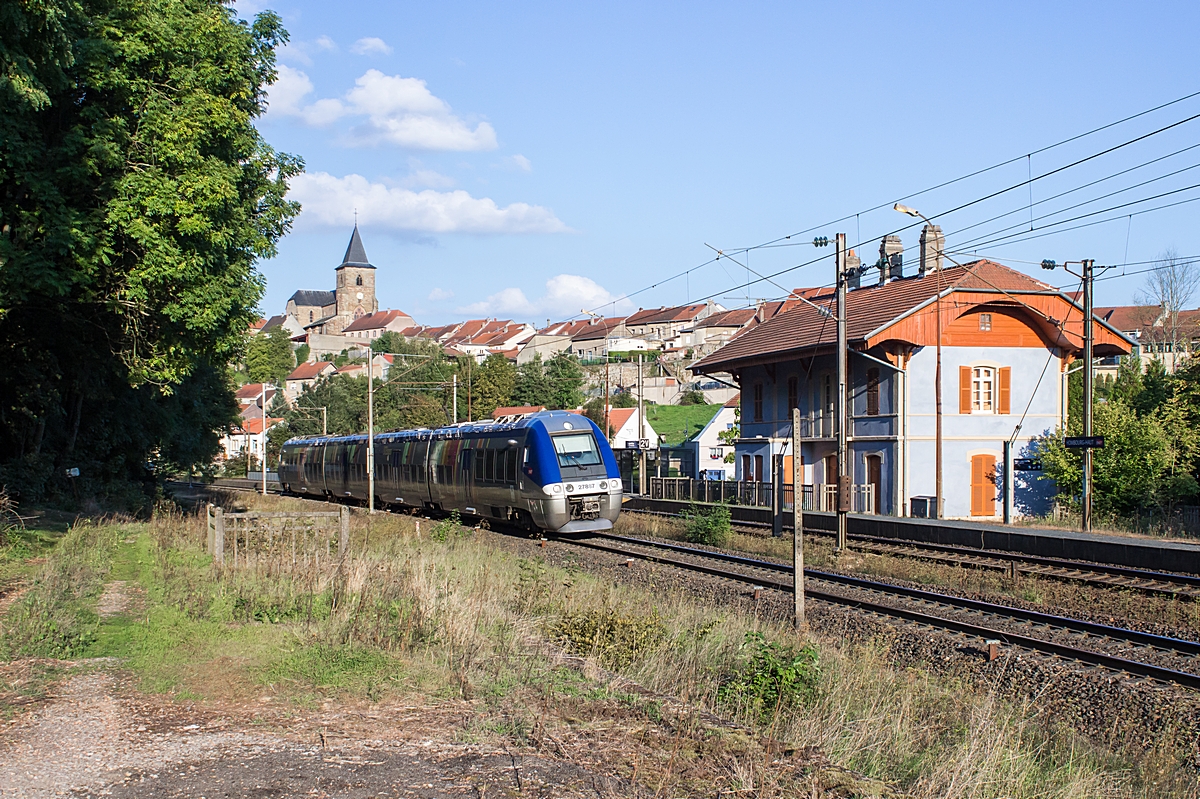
[(617, 417), (867, 309), (258, 324), (734, 401), (593, 330), (734, 318), (252, 391), (374, 321), (517, 410), (565, 328), (307, 371), (678, 313), (1128, 318), (255, 426)]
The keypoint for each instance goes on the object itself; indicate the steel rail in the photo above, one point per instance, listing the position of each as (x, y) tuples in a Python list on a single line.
[(1113, 662), (1188, 580)]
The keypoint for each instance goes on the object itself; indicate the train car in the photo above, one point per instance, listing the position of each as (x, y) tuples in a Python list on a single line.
[(552, 471)]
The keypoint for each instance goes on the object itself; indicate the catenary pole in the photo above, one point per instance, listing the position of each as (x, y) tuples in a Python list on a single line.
[(642, 482), (262, 448), (1087, 392), (797, 522), (370, 434), (454, 394), (843, 493)]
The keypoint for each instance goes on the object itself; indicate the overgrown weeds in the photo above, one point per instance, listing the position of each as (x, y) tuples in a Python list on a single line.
[(707, 525), (776, 677)]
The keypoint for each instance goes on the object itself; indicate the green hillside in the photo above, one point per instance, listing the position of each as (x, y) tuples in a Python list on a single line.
[(679, 422)]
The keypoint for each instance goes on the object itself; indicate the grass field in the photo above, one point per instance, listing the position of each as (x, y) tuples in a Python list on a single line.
[(444, 614), (679, 422)]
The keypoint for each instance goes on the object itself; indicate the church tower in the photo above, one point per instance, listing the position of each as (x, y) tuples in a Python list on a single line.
[(355, 290)]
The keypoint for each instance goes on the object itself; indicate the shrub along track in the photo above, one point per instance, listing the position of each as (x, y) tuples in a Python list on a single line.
[(1184, 586)]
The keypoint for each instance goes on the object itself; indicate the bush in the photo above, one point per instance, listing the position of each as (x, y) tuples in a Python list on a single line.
[(777, 677), (616, 640), (693, 398), (709, 526)]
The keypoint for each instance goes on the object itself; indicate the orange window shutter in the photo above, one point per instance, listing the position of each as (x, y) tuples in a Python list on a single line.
[(1005, 392), (977, 486), (964, 389)]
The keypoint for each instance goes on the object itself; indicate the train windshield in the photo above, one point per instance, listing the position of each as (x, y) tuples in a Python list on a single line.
[(577, 449)]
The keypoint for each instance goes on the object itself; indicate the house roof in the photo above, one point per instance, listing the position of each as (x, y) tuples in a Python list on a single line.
[(319, 298), (255, 426), (594, 330), (735, 318), (275, 321), (308, 371), (868, 311), (678, 313), (252, 391), (617, 417), (373, 321), (257, 324), (320, 321), (564, 328), (1144, 318), (517, 410), (355, 254), (733, 401)]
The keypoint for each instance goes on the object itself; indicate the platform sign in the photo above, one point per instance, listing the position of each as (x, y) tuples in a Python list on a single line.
[(1027, 465), (1084, 442), (633, 444)]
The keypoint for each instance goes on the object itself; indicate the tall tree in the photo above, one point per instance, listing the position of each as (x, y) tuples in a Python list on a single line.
[(135, 196), (1170, 287), (531, 387), (565, 377), (493, 385), (269, 356)]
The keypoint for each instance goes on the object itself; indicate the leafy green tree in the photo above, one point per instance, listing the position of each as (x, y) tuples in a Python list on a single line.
[(493, 385), (729, 437), (693, 398), (136, 195), (302, 353), (565, 378), (269, 356), (531, 386)]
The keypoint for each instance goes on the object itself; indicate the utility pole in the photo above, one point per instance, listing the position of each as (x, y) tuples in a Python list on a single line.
[(1087, 276), (454, 395), (797, 522), (641, 431), (843, 486), (370, 435), (262, 437)]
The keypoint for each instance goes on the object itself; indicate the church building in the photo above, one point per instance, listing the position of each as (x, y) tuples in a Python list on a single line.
[(330, 312)]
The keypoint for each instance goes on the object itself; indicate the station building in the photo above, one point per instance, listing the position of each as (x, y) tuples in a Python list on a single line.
[(1007, 340)]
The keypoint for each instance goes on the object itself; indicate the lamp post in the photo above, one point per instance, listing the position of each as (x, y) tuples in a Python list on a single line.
[(937, 378), (262, 435)]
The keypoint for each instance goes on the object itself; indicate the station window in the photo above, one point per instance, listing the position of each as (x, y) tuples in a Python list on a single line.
[(985, 321)]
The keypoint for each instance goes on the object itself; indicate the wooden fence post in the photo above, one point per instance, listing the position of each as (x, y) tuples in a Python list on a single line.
[(208, 528), (218, 549), (344, 537)]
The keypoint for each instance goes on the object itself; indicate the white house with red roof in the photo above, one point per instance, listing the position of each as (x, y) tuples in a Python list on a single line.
[(247, 437), (305, 375), (374, 325), (711, 450), (624, 426), (1007, 341)]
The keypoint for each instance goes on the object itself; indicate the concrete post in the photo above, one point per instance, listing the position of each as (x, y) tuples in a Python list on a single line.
[(777, 496), (797, 522), (218, 551), (344, 531)]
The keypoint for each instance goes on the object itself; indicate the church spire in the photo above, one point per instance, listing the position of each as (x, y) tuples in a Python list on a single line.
[(355, 254)]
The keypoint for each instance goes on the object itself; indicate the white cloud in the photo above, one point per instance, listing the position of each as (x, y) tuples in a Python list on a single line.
[(330, 200), (427, 179), (440, 294), (301, 52), (371, 45), (325, 43), (398, 110), (564, 297), (521, 162)]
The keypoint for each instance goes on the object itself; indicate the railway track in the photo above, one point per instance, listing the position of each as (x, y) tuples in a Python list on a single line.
[(1012, 563), (1133, 652), (1130, 652)]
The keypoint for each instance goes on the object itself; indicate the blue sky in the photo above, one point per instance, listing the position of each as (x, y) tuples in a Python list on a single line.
[(527, 160)]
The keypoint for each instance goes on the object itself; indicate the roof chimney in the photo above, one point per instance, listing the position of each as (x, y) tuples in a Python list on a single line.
[(891, 259), (932, 244), (853, 266)]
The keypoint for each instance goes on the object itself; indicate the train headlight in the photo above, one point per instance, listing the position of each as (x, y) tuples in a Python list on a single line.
[(615, 484), (557, 489), (603, 485), (570, 488)]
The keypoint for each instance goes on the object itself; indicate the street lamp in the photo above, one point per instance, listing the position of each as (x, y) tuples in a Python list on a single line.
[(904, 209)]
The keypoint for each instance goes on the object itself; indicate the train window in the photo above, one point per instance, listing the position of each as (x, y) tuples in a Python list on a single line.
[(576, 449), (510, 469), (489, 472), (479, 465), (501, 464)]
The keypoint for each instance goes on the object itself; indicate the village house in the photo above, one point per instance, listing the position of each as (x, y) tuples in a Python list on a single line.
[(1006, 343), (664, 324), (305, 375), (374, 325), (1157, 333), (710, 450), (623, 424)]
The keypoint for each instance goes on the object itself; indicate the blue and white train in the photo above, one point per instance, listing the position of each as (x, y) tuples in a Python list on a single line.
[(551, 471)]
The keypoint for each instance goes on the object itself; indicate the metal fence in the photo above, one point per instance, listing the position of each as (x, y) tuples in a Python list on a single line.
[(277, 539), (761, 495)]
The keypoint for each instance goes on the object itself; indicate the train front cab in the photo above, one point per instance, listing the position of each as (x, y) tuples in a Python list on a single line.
[(570, 461)]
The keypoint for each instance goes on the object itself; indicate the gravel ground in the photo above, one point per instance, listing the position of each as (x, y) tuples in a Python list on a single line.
[(1113, 709)]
